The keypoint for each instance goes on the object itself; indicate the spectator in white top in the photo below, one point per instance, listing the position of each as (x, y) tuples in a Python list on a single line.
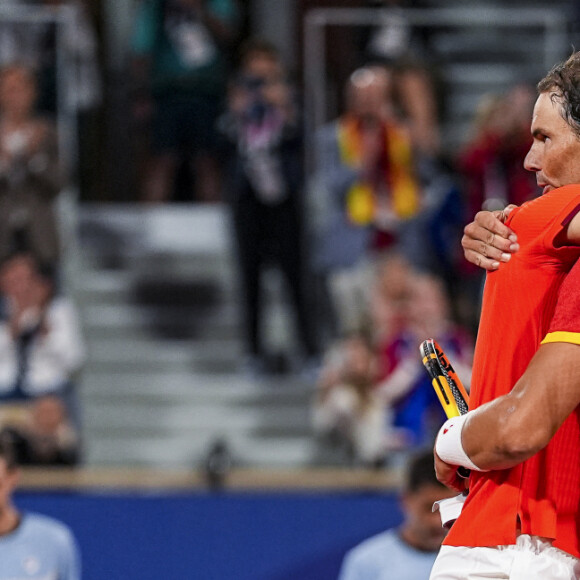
[(41, 346)]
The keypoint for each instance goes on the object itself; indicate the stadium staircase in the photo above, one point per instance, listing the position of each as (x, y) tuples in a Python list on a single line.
[(164, 379)]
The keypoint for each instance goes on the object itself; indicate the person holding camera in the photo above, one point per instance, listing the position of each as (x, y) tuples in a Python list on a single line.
[(263, 131)]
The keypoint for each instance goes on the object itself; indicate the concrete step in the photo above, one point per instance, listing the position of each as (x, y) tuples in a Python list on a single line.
[(103, 286), (166, 387), (192, 420), (126, 354), (480, 44), (183, 286), (172, 228), (176, 452), (275, 452), (165, 321), (488, 76), (155, 452), (160, 307), (158, 266)]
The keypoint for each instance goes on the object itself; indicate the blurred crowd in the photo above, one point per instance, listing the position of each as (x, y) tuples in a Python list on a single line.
[(368, 245), (41, 342), (374, 399)]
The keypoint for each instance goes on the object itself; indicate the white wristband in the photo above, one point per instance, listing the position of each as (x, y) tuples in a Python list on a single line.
[(448, 445)]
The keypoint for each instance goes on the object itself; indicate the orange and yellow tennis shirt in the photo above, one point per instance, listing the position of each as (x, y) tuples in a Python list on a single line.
[(518, 313)]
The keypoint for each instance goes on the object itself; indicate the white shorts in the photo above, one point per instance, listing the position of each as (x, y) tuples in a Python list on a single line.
[(531, 558)]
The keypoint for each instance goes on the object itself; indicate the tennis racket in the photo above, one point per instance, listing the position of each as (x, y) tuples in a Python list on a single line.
[(447, 384)]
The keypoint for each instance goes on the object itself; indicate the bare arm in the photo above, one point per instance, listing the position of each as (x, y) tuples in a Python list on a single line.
[(512, 428)]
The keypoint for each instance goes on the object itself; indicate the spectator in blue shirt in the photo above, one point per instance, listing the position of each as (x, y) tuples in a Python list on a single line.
[(406, 552), (31, 546)]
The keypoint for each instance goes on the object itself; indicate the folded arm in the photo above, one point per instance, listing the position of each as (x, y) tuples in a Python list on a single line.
[(487, 241), (513, 427)]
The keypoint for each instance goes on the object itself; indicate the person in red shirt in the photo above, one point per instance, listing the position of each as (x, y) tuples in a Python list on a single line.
[(521, 437)]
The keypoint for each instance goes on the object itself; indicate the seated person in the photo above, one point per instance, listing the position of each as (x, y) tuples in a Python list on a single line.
[(404, 384), (32, 546), (41, 347), (407, 552), (31, 172), (347, 406), (46, 436)]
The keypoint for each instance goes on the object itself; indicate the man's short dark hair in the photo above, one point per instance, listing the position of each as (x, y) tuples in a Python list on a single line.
[(420, 472), (563, 82)]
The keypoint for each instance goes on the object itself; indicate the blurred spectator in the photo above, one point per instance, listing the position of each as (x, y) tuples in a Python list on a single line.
[(405, 50), (407, 552), (263, 131), (390, 293), (405, 385), (32, 546), (492, 161), (46, 436), (352, 403), (397, 45), (491, 165), (376, 395), (368, 173), (41, 347), (180, 70), (30, 173), (36, 44), (347, 409)]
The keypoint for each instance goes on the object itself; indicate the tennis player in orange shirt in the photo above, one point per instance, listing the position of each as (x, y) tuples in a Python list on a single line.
[(521, 437)]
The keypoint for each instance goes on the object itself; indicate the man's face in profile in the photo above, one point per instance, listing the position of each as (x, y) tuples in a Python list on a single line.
[(555, 150)]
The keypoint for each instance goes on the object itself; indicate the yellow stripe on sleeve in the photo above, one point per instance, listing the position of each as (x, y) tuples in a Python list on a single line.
[(561, 336)]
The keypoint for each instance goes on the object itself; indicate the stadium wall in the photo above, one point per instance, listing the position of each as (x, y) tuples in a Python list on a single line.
[(216, 536)]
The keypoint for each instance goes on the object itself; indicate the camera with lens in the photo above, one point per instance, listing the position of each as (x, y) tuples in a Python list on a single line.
[(257, 104)]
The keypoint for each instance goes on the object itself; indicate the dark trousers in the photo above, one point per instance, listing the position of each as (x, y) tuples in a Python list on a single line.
[(265, 235)]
